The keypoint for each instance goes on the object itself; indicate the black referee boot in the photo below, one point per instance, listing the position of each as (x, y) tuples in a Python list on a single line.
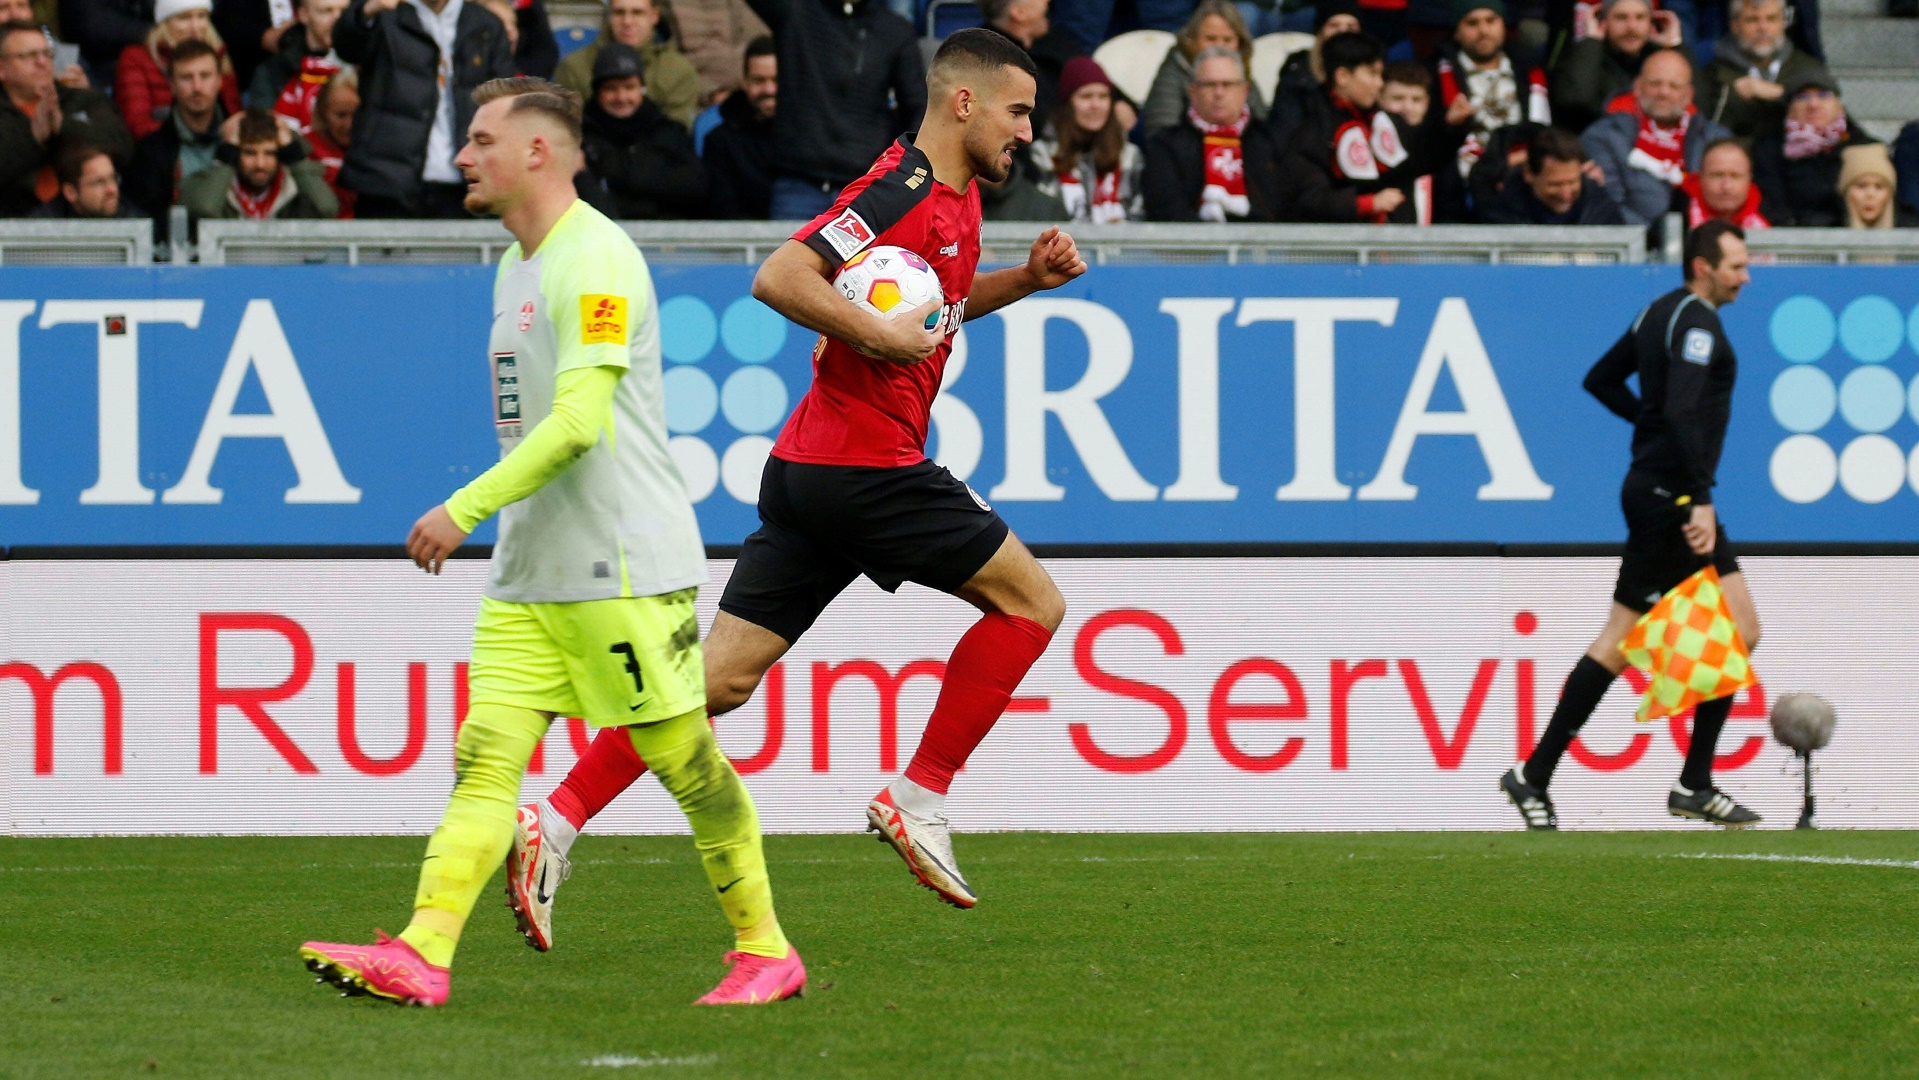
[(1534, 805), (1711, 805)]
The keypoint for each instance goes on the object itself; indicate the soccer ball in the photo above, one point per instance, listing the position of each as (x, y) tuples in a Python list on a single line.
[(887, 279)]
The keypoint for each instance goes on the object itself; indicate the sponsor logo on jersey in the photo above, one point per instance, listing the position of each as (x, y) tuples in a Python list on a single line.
[(526, 316), (951, 250), (848, 233), (1697, 348), (602, 319)]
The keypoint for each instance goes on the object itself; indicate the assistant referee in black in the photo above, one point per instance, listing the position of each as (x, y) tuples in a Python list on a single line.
[(1686, 370)]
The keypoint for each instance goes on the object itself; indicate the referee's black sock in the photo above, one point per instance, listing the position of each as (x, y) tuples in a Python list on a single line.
[(1708, 720), (1584, 687)]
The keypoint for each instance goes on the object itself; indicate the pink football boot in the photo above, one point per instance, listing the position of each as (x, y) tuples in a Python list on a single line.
[(389, 969), (759, 980)]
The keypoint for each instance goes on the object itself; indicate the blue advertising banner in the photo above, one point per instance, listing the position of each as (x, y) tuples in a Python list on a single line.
[(1195, 404)]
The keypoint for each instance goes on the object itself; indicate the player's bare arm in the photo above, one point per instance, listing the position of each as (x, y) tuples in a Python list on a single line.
[(1053, 262), (797, 282)]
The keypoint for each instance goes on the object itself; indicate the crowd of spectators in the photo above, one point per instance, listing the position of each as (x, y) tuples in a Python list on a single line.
[(1410, 111)]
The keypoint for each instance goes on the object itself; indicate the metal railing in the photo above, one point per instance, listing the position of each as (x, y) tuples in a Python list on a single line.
[(28, 242), (68, 242), (232, 243)]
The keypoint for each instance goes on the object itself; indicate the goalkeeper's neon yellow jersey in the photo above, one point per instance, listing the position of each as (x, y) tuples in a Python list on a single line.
[(617, 522)]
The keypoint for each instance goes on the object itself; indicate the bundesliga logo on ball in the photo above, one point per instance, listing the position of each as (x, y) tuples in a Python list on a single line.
[(887, 279)]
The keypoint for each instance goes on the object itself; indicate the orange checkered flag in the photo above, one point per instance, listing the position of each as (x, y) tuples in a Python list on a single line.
[(1691, 647)]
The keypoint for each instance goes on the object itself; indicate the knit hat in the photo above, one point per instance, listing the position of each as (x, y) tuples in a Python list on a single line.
[(167, 9), (1324, 11), (616, 61), (1463, 8), (1081, 71)]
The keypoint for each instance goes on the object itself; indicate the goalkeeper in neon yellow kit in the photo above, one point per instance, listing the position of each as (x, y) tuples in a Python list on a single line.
[(588, 609)]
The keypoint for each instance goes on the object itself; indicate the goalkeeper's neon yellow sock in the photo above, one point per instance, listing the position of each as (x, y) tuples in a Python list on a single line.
[(726, 828), (495, 743)]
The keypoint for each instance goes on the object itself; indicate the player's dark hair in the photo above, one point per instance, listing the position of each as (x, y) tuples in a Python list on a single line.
[(1554, 144), (536, 95), (258, 126), (1350, 52), (1409, 73), (977, 49), (764, 45), (1708, 242), (72, 160), (190, 49)]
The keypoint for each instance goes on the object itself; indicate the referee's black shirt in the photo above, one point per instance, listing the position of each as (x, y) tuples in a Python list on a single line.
[(1686, 370)]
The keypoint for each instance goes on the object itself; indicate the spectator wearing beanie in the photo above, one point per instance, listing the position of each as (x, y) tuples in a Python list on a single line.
[(1098, 172), (140, 82), (1867, 184), (741, 153), (1645, 151), (1798, 169), (1482, 87), (1216, 165), (672, 84), (419, 61), (1301, 76), (1349, 161), (1215, 25), (1590, 74), (643, 159)]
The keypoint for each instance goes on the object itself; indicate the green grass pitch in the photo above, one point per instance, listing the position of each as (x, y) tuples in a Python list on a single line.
[(1455, 955)]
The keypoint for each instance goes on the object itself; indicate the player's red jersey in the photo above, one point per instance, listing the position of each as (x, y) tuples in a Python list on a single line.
[(863, 411)]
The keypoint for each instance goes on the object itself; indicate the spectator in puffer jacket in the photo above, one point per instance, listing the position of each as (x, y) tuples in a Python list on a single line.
[(420, 61), (1552, 188), (643, 159), (140, 82), (672, 85), (851, 81), (1798, 169), (39, 116), (1646, 151)]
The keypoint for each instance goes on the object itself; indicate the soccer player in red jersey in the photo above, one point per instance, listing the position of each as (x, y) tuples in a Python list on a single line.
[(848, 489)]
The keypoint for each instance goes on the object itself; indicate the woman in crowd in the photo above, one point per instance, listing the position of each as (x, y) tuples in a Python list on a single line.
[(140, 85), (1866, 183), (1215, 23), (1096, 168)]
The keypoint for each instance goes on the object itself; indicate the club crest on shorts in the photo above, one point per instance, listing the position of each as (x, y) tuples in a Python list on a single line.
[(982, 502)]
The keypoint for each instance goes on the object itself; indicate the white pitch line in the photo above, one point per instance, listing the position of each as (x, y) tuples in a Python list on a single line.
[(624, 1061), (1819, 860)]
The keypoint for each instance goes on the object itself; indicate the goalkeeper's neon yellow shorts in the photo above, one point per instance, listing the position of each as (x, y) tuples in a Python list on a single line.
[(634, 660)]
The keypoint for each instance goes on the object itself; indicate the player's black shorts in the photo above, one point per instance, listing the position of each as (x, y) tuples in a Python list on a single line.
[(1657, 556), (821, 526)]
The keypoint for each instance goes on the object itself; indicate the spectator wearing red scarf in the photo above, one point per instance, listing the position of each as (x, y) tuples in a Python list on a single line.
[(289, 80), (1723, 188), (1645, 152), (1349, 160), (1218, 165), (1098, 171), (1798, 168), (263, 173)]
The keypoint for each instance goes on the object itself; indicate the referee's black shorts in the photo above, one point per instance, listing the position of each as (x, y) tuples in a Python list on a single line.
[(821, 526), (1657, 555)]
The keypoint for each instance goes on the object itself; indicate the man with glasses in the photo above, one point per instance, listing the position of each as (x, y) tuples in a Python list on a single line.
[(89, 186), (39, 115), (1218, 165)]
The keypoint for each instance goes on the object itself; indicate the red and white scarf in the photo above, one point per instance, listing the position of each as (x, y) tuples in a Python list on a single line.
[(1746, 217), (302, 91), (1495, 94), (258, 207), (1811, 140), (1660, 149), (1365, 142), (1224, 195), (1105, 206)]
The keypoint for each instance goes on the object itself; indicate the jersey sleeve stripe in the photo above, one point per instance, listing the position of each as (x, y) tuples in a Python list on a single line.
[(898, 182)]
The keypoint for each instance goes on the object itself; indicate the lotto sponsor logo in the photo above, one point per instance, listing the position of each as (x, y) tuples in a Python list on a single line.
[(602, 320)]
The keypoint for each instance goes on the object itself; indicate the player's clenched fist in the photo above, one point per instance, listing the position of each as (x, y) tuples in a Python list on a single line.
[(1054, 260), (433, 538)]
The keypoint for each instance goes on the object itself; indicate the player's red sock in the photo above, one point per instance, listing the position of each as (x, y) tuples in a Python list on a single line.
[(609, 766), (986, 668)]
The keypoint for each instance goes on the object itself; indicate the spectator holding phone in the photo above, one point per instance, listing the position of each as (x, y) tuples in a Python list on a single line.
[(40, 115)]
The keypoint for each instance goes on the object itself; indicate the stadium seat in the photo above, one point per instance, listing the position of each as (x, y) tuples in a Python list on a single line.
[(938, 18), (1269, 52), (1132, 59), (574, 38)]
